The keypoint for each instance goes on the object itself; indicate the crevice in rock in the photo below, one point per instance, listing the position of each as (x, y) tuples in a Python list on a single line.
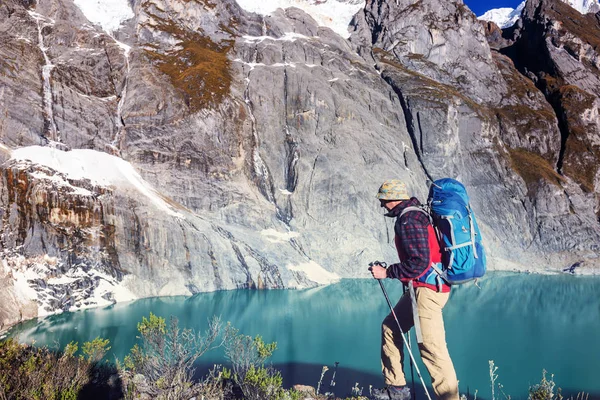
[(309, 188), (188, 265), (271, 273), (292, 153), (420, 132), (110, 67), (291, 159), (410, 123), (213, 260), (562, 127), (249, 281), (260, 172)]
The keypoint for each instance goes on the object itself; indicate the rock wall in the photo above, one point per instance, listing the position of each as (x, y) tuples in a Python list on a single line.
[(245, 150)]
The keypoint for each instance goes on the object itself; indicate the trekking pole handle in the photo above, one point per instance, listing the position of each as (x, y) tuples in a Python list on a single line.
[(380, 263)]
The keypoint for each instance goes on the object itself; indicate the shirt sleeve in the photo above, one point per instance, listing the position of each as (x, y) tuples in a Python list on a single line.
[(414, 241)]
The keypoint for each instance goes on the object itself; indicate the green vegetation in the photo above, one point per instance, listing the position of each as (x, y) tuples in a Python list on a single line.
[(27, 372), (161, 366)]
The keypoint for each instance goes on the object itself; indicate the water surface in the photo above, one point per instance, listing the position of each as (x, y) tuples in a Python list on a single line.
[(525, 323)]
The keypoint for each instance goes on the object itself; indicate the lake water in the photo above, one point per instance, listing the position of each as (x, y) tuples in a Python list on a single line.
[(525, 323)]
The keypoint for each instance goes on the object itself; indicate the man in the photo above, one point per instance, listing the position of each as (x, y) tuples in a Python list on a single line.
[(418, 250)]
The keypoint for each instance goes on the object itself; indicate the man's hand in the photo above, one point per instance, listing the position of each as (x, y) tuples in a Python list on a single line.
[(378, 271)]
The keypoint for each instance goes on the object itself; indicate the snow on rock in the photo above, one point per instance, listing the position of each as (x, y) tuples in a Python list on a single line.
[(506, 17), (109, 14), (584, 6), (315, 273), (274, 236), (40, 279), (287, 37), (100, 168), (334, 14), (58, 180), (503, 17)]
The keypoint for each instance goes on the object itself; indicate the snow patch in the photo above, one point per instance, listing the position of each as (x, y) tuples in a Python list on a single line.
[(584, 6), (58, 180), (287, 37), (506, 17), (315, 273), (100, 168), (109, 14), (274, 236), (40, 279), (333, 14), (503, 17)]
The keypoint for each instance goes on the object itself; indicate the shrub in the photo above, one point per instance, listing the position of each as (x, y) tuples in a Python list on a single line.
[(263, 383), (545, 389), (27, 372), (161, 365), (248, 356), (93, 351)]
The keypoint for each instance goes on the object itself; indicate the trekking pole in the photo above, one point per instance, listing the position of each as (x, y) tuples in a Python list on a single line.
[(412, 374), (412, 358)]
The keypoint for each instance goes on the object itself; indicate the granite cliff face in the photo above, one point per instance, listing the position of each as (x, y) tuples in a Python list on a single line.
[(470, 111), (201, 147)]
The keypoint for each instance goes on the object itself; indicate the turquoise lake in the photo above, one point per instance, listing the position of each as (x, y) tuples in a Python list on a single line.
[(525, 323)]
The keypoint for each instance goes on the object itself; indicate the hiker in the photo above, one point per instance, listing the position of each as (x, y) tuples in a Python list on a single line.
[(418, 249)]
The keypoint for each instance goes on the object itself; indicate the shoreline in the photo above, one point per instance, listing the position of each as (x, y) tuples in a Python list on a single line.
[(580, 271)]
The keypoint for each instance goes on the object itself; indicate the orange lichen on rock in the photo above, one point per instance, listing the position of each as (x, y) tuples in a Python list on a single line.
[(532, 168), (197, 66)]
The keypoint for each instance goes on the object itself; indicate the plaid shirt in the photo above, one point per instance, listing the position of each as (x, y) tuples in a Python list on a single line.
[(412, 241)]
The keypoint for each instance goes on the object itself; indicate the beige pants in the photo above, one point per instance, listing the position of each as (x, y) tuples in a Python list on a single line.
[(434, 351)]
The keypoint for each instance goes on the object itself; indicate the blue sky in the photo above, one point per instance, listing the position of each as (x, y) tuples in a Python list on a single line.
[(481, 6)]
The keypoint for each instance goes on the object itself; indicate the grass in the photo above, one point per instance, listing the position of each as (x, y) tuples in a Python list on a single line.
[(532, 168), (586, 27), (197, 67)]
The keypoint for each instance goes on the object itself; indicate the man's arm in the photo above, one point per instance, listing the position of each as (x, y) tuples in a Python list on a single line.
[(414, 241)]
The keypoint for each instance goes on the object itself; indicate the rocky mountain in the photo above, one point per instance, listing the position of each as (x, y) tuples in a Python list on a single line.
[(506, 17), (201, 146)]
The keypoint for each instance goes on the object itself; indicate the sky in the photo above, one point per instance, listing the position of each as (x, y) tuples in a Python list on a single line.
[(481, 6)]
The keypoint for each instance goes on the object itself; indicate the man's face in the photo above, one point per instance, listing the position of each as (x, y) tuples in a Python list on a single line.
[(389, 204)]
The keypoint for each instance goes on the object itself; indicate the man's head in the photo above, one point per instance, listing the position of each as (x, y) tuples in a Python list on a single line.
[(391, 193)]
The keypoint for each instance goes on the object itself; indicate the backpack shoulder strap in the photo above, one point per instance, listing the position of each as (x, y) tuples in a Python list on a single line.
[(415, 208)]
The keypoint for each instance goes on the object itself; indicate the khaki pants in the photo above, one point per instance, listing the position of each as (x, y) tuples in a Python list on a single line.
[(434, 351)]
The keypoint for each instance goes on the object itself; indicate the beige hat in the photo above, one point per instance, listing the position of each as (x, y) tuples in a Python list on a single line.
[(393, 190)]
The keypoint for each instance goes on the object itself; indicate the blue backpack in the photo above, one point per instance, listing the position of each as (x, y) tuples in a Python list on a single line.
[(463, 255)]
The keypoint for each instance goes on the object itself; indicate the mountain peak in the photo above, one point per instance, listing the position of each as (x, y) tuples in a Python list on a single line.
[(334, 14), (503, 17), (506, 17)]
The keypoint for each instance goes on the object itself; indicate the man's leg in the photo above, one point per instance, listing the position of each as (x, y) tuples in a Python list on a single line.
[(392, 346), (434, 351)]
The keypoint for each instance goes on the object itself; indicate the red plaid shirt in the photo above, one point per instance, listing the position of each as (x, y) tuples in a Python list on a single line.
[(411, 232)]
